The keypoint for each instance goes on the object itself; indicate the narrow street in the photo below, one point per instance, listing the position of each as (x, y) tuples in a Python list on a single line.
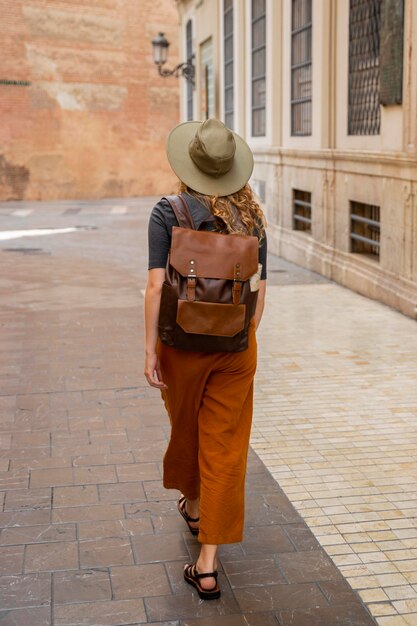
[(88, 534)]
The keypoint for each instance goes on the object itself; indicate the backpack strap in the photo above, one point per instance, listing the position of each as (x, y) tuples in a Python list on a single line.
[(181, 211), (207, 221)]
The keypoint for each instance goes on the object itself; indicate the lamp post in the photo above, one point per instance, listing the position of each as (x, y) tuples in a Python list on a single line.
[(160, 47)]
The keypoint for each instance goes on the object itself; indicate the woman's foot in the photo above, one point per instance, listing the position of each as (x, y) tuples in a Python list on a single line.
[(206, 564), (206, 586), (189, 510), (192, 508), (206, 568)]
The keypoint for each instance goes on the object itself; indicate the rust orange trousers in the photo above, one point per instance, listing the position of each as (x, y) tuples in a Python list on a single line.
[(210, 402)]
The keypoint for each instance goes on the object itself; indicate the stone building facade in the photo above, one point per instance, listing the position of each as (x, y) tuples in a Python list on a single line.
[(83, 112), (325, 92)]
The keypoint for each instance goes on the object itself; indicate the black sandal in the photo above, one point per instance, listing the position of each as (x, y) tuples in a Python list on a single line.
[(181, 508), (192, 577)]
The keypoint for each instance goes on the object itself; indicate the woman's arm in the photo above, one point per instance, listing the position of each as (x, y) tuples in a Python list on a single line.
[(260, 303), (152, 303)]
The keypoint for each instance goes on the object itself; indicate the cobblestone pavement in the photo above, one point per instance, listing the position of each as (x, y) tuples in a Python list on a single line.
[(88, 535)]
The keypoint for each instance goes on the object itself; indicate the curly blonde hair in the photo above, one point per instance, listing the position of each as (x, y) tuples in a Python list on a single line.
[(239, 212)]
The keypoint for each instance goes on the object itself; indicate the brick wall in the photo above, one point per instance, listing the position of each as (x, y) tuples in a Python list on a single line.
[(93, 122)]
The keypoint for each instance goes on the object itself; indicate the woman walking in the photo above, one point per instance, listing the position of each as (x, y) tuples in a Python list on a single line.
[(208, 395)]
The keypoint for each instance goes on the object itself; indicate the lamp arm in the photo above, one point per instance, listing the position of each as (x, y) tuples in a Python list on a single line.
[(184, 69)]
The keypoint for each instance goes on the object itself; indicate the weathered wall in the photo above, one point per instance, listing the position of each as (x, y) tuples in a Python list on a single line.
[(94, 120), (335, 167)]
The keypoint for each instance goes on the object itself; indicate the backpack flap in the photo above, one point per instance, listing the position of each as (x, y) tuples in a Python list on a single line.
[(213, 255)]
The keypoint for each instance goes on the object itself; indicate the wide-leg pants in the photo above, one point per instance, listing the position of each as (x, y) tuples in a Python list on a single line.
[(210, 403)]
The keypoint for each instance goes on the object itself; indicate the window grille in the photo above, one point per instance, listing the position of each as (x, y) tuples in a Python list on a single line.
[(365, 229), (302, 210), (364, 114), (228, 63), (189, 46), (301, 67), (258, 68)]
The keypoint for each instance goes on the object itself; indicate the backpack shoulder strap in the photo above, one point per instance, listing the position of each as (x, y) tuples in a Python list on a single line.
[(181, 211)]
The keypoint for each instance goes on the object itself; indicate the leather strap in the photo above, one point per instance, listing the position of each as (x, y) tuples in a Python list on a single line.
[(181, 211), (191, 281), (237, 288), (208, 575), (237, 285), (208, 220)]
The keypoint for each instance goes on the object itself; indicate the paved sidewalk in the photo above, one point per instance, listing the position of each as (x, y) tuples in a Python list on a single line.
[(335, 423), (88, 535)]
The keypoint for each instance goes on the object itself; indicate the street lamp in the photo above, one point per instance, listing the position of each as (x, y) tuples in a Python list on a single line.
[(160, 47)]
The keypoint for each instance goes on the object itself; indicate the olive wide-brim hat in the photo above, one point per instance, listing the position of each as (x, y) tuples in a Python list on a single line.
[(209, 157)]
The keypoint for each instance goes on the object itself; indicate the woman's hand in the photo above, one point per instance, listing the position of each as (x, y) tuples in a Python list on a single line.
[(260, 303), (153, 372), (152, 303)]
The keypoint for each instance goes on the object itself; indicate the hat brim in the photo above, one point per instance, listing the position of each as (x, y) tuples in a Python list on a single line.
[(187, 171)]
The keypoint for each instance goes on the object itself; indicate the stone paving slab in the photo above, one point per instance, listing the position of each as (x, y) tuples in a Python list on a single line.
[(87, 535)]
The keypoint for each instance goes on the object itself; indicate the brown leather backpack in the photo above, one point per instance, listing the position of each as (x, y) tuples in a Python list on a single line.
[(206, 301)]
